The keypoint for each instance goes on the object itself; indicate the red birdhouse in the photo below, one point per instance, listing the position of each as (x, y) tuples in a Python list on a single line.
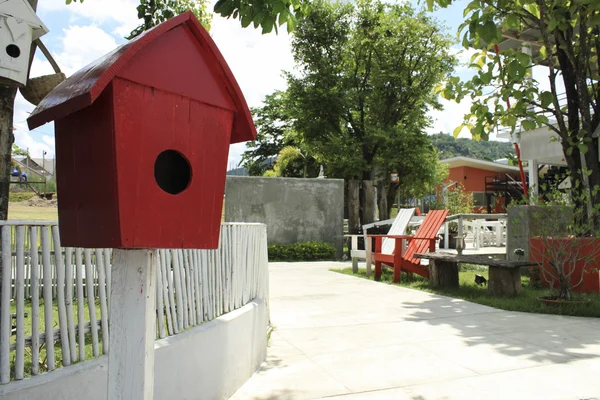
[(142, 139)]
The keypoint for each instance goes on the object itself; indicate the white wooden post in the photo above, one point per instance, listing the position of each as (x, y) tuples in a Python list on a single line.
[(369, 255), (446, 236), (499, 234), (132, 325), (533, 180)]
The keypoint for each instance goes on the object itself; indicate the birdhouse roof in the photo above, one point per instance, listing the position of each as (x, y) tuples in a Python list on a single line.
[(86, 85), (20, 9)]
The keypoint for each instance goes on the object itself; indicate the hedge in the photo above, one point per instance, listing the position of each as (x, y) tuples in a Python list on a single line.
[(307, 251)]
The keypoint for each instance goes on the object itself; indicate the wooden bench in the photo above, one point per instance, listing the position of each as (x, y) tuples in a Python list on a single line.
[(504, 277)]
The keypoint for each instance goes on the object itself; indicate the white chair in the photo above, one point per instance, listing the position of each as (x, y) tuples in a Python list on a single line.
[(399, 225)]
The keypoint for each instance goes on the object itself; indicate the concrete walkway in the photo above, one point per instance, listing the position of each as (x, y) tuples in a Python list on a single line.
[(346, 338)]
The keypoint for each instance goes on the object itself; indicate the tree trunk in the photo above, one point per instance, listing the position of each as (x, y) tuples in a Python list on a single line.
[(564, 287), (7, 105), (368, 202), (7, 138), (391, 197), (382, 201), (353, 207)]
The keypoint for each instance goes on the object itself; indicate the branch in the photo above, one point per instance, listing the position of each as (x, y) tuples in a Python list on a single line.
[(49, 57)]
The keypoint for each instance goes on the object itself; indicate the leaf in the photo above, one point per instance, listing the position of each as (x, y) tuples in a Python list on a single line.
[(457, 130), (544, 53), (512, 22), (267, 24), (546, 98), (583, 148), (430, 4), (528, 125), (219, 5), (524, 59), (515, 70), (488, 31), (533, 9), (246, 20), (292, 22), (283, 17), (486, 78)]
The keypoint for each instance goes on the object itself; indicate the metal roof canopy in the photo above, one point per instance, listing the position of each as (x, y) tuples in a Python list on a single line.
[(514, 39), (480, 164)]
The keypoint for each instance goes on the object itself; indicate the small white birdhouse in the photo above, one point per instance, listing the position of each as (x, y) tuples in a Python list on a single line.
[(19, 26)]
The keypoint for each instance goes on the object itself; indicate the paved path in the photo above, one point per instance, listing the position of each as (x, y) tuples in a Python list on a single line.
[(346, 338)]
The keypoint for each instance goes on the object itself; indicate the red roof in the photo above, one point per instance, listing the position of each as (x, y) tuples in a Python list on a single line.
[(86, 85)]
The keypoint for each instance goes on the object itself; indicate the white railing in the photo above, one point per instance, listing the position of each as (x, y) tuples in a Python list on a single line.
[(479, 229), (55, 301)]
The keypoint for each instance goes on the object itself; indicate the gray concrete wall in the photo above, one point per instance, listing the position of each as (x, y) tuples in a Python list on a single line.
[(210, 361), (294, 209), (525, 222)]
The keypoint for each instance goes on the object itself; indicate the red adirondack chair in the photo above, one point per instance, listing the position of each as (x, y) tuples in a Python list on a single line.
[(423, 241)]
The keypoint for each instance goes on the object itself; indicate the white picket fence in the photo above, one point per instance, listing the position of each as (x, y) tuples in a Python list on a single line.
[(55, 301)]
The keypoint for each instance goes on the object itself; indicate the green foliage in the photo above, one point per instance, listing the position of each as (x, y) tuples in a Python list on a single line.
[(457, 201), (50, 185), (292, 163), (273, 123), (15, 197), (356, 95), (355, 104), (155, 12), (503, 93), (565, 222), (268, 14), (307, 251), (448, 147), (17, 151)]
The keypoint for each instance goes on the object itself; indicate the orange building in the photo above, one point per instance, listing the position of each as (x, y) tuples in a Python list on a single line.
[(493, 184)]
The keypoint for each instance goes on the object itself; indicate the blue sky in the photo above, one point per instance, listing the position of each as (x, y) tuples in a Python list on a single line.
[(80, 33)]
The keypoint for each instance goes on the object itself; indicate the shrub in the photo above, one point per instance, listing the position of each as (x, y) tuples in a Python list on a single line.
[(307, 251), (15, 197)]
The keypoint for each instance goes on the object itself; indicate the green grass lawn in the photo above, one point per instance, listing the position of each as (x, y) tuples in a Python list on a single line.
[(527, 301), (21, 212), (57, 344)]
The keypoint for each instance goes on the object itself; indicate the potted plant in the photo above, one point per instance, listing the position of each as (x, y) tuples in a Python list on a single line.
[(567, 246), (457, 201)]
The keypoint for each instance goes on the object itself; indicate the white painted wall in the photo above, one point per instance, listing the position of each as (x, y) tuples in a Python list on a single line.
[(207, 362)]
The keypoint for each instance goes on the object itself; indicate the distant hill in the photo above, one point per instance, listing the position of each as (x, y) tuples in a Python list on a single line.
[(449, 147)]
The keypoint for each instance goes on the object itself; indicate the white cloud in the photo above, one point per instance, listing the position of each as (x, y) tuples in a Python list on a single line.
[(256, 60), (81, 45), (450, 117), (123, 13)]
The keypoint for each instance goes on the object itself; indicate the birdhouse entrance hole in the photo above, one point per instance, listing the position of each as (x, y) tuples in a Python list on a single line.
[(13, 50), (172, 171)]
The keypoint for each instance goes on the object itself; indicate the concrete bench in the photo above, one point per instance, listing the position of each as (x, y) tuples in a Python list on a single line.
[(504, 277)]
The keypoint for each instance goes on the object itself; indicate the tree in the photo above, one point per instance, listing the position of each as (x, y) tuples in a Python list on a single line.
[(505, 95), (365, 81), (291, 162), (273, 124), (564, 244), (155, 12), (7, 137), (268, 14)]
